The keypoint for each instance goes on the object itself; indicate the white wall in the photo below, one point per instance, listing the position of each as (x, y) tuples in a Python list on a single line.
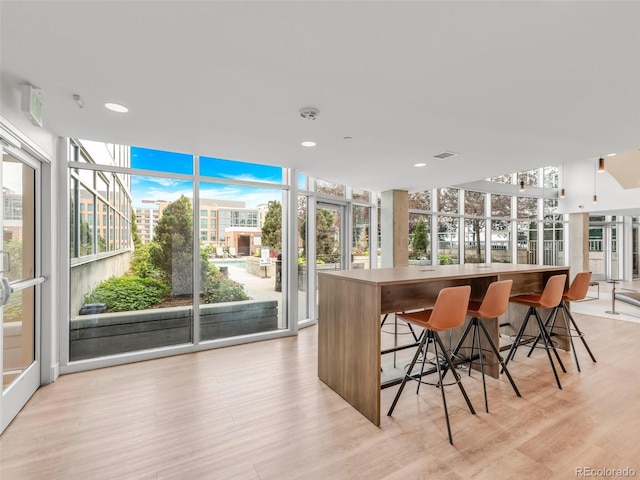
[(578, 183)]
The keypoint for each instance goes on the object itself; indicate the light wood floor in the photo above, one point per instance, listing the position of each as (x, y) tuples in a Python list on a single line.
[(258, 411)]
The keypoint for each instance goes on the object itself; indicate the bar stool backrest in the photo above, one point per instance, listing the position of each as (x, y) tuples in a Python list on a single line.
[(553, 290), (496, 299), (579, 287), (450, 309)]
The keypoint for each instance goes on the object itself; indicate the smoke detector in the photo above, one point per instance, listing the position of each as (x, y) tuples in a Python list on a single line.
[(309, 113)]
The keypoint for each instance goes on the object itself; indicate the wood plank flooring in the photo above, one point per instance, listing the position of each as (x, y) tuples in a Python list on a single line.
[(258, 411)]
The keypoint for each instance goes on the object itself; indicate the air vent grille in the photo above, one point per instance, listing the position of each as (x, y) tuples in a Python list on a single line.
[(444, 155)]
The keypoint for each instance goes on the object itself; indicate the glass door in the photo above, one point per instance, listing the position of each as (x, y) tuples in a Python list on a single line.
[(331, 246), (331, 243), (635, 250), (597, 252), (19, 295), (604, 247)]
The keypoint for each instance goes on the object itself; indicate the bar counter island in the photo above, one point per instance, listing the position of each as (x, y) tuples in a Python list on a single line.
[(351, 304)]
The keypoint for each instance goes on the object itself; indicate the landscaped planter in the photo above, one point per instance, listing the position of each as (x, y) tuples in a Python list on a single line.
[(252, 266), (103, 334)]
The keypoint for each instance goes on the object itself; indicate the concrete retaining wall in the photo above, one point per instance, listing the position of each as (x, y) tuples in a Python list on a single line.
[(87, 275), (104, 334)]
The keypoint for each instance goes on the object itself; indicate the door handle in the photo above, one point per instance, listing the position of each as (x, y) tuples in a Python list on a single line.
[(5, 290), (8, 254)]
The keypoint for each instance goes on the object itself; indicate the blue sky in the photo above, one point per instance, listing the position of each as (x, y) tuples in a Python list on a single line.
[(156, 188)]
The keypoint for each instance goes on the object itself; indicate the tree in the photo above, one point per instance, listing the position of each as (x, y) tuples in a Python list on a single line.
[(474, 204), (363, 239), (448, 199), (86, 239), (173, 252), (420, 200), (302, 220), (420, 240), (325, 235), (272, 227)]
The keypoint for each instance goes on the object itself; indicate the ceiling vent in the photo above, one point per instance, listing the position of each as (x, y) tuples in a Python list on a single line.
[(309, 113), (445, 154)]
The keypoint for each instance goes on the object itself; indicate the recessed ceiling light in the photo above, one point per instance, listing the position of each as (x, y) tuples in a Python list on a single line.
[(308, 144), (611, 155), (116, 107), (419, 164)]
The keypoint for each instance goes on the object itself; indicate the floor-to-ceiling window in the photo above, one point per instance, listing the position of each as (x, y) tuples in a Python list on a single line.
[(501, 238), (474, 227), (142, 244), (150, 228), (553, 234), (420, 228), (527, 230), (448, 225), (507, 218)]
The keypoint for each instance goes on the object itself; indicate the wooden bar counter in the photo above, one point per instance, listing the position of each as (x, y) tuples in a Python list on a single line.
[(351, 302)]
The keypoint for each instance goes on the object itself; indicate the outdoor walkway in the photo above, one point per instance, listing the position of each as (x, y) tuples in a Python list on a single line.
[(261, 288)]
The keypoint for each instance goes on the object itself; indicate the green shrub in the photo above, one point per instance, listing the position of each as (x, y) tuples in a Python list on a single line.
[(217, 289), (445, 259), (124, 294), (141, 265)]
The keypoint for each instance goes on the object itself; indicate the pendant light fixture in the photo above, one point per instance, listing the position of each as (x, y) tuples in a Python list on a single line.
[(562, 182), (601, 165), (595, 177)]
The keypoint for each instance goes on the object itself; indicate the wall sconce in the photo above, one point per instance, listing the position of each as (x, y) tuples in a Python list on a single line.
[(601, 165)]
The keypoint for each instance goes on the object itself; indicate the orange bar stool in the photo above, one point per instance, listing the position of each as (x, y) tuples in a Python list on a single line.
[(494, 304), (550, 298), (448, 312), (577, 291)]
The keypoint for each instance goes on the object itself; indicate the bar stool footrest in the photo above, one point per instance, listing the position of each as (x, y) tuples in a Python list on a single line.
[(489, 357)]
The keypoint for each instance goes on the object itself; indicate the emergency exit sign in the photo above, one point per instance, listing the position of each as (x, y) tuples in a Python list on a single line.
[(32, 104)]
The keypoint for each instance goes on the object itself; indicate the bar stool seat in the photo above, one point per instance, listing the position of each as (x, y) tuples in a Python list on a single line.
[(448, 312), (550, 298), (494, 304)]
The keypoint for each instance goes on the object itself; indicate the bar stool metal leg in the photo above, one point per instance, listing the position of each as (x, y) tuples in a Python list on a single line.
[(500, 359), (575, 326), (548, 328), (407, 374), (566, 326), (477, 323), (546, 340), (516, 342), (458, 381)]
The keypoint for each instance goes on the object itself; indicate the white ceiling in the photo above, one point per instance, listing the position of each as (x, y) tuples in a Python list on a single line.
[(508, 85)]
